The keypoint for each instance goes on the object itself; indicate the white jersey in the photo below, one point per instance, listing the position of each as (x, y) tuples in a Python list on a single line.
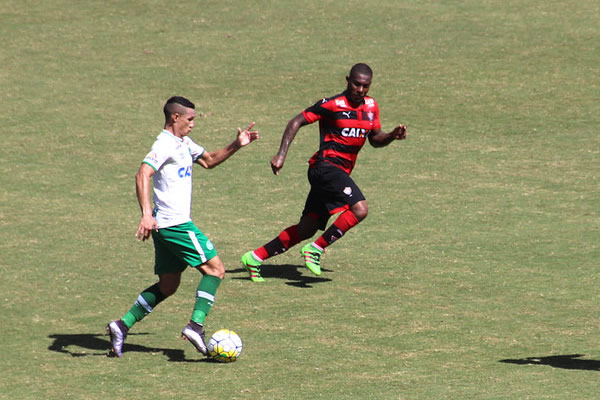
[(172, 159)]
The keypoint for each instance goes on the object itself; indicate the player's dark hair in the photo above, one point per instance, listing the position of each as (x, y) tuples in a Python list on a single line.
[(171, 105), (362, 69)]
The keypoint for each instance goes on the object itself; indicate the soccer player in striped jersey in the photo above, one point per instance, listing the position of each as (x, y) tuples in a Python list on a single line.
[(178, 243), (346, 122)]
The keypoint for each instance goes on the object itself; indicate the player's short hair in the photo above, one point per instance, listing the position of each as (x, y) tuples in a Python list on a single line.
[(173, 105), (362, 69)]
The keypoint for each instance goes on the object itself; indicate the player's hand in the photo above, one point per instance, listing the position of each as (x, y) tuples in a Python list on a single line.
[(277, 163), (399, 132), (246, 136), (145, 228)]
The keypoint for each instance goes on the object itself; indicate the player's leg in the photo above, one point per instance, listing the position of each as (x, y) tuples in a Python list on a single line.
[(252, 260), (309, 253), (339, 193), (289, 237), (213, 273), (344, 222), (147, 300), (307, 226), (210, 265), (168, 268), (151, 297)]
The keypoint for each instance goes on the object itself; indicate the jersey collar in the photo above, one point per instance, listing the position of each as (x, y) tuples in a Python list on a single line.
[(352, 105), (170, 135)]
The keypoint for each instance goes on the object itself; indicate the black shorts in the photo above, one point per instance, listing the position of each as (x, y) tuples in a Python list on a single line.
[(331, 191)]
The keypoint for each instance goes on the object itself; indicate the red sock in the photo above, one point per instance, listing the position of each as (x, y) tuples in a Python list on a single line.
[(341, 225), (286, 239)]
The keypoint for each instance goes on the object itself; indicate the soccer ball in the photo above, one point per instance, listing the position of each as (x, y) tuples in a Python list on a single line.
[(225, 346)]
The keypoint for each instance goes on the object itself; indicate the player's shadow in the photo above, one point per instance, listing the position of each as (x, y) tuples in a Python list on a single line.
[(569, 361), (292, 273), (99, 345)]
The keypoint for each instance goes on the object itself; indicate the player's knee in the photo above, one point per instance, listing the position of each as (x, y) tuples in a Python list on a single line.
[(361, 215), (168, 286), (220, 274), (360, 210), (168, 291), (306, 232), (214, 267), (308, 226)]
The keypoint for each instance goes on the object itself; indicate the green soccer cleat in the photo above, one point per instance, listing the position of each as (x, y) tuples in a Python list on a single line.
[(312, 258), (252, 265)]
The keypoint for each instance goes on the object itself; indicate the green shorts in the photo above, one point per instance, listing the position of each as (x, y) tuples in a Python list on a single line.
[(178, 246)]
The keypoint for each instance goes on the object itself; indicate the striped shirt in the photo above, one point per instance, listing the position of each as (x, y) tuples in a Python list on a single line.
[(343, 129)]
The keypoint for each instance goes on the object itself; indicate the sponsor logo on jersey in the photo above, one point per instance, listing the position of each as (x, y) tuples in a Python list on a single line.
[(354, 132), (341, 103), (347, 114), (369, 102), (184, 172), (152, 158), (348, 191)]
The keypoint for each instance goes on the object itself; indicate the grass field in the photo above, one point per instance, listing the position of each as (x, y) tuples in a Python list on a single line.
[(474, 277)]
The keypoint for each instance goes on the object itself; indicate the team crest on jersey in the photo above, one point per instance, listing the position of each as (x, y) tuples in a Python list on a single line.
[(370, 116), (348, 191)]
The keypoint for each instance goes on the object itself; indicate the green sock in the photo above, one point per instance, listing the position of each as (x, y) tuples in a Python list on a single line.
[(143, 306), (205, 297)]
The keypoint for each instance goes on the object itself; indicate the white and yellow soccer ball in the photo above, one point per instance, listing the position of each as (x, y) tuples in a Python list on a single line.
[(225, 346)]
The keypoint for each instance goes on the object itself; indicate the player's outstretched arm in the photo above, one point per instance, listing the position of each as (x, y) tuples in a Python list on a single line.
[(381, 139), (214, 158), (288, 136)]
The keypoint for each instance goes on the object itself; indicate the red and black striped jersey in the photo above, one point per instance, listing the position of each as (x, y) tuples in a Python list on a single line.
[(343, 129)]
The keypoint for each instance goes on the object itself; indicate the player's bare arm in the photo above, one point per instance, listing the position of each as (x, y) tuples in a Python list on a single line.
[(142, 189), (380, 139), (244, 137), (288, 136)]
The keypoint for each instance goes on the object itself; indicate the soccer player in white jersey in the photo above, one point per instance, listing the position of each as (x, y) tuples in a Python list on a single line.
[(178, 242)]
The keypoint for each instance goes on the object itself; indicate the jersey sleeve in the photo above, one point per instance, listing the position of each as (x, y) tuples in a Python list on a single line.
[(376, 120), (315, 112), (196, 150), (156, 157)]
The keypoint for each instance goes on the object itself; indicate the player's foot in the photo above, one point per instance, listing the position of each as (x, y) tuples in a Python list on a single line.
[(312, 258), (252, 265), (194, 332), (118, 332)]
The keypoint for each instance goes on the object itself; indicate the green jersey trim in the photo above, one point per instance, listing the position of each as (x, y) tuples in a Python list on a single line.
[(151, 166)]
